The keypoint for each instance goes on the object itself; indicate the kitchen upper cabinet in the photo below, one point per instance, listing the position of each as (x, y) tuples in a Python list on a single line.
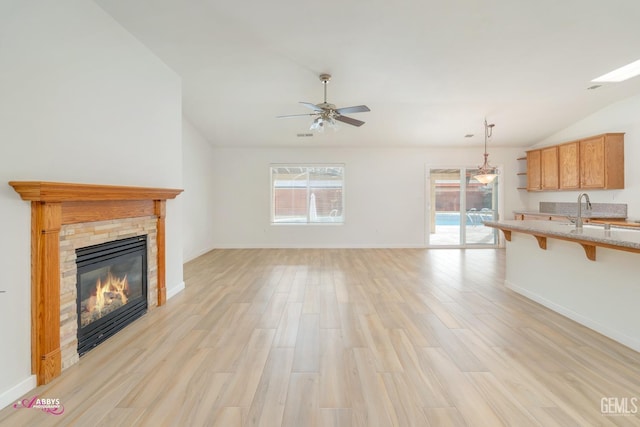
[(596, 162), (602, 162), (534, 182), (549, 168), (569, 165)]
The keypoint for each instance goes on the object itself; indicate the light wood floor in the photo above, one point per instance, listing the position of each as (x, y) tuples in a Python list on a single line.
[(384, 337)]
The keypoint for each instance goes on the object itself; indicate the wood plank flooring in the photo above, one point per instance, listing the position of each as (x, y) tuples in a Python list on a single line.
[(361, 337)]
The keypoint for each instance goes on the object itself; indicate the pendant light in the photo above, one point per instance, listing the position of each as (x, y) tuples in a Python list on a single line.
[(486, 174)]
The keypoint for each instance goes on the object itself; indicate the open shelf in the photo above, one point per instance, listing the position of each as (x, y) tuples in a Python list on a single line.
[(522, 176)]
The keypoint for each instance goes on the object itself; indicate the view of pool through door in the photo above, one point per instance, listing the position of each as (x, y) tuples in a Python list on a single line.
[(458, 206)]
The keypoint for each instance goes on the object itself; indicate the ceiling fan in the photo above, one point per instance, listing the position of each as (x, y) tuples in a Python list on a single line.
[(327, 114)]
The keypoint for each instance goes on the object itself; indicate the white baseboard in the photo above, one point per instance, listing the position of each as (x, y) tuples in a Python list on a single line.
[(12, 395), (320, 246), (174, 290), (589, 323)]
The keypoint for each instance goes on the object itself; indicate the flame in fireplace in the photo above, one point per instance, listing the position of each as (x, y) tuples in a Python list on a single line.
[(113, 291)]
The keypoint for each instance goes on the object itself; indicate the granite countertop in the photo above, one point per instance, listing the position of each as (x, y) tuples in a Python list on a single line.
[(622, 237)]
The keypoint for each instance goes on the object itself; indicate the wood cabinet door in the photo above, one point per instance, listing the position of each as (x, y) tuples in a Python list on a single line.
[(592, 163), (549, 168), (614, 161), (569, 165), (533, 170)]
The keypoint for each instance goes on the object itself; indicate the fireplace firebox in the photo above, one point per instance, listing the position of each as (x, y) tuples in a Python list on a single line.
[(111, 288)]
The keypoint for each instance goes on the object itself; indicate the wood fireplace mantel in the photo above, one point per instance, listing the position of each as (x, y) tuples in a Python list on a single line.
[(54, 204), (41, 191)]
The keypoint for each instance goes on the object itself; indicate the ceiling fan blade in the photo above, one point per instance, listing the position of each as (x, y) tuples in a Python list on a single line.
[(355, 109), (349, 120), (314, 107), (294, 115)]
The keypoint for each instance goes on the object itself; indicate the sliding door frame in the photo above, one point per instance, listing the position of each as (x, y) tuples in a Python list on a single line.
[(430, 208)]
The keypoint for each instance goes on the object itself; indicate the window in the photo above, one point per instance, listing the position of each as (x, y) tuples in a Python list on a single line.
[(307, 194)]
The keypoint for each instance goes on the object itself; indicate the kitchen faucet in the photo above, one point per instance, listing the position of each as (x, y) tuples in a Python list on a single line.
[(579, 218)]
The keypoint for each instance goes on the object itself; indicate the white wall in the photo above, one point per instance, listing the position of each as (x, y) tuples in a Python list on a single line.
[(622, 116), (82, 101), (198, 198), (384, 190)]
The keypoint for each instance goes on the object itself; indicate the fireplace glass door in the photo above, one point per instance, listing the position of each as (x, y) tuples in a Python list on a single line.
[(112, 288)]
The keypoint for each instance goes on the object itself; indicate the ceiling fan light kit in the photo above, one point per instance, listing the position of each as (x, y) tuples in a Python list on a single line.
[(327, 114), (321, 122)]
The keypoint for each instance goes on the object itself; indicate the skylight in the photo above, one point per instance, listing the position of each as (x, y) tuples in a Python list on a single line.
[(620, 74)]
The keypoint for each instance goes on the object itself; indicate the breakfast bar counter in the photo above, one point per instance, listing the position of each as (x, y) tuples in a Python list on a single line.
[(589, 236), (546, 262)]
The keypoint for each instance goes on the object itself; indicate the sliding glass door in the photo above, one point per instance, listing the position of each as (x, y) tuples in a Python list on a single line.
[(458, 205)]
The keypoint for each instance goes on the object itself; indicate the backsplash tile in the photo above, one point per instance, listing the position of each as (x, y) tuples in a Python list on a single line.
[(597, 209)]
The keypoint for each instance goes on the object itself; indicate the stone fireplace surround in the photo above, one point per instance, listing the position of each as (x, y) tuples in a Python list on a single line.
[(75, 236), (67, 216)]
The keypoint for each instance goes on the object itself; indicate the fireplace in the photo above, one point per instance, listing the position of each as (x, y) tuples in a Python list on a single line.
[(68, 216), (111, 288)]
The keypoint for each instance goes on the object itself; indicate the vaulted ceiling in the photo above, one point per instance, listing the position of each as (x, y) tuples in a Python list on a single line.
[(430, 71)]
